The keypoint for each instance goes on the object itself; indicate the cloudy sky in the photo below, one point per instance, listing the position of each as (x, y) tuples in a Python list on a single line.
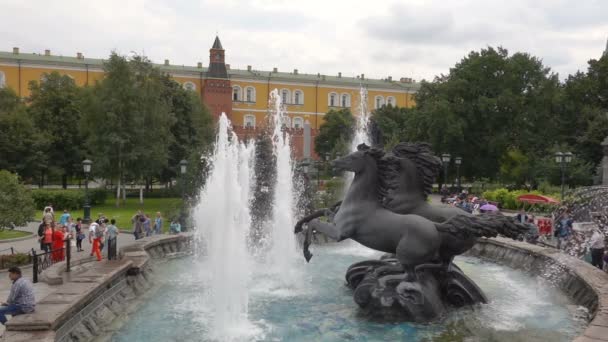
[(414, 38)]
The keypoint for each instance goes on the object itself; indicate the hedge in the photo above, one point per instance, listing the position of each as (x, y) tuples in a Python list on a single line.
[(508, 199), (67, 199), (16, 259)]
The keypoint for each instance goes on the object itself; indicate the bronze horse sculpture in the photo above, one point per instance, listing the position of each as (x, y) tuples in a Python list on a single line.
[(421, 276)]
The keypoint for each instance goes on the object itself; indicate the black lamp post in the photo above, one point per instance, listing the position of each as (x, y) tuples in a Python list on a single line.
[(86, 166), (458, 161), (445, 159), (183, 168), (563, 159)]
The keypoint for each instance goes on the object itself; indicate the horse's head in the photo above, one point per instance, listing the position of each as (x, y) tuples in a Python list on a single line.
[(356, 161)]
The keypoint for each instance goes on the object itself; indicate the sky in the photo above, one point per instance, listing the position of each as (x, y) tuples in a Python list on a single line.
[(379, 38)]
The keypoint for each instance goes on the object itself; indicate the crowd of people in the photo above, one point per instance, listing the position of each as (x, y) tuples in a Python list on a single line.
[(556, 231)]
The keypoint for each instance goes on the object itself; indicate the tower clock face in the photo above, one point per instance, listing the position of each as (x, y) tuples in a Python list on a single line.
[(218, 56)]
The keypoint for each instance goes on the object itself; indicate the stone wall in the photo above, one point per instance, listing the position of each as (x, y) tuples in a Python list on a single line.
[(85, 306), (583, 283)]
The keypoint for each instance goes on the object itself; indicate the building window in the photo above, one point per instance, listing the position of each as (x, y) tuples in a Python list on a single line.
[(189, 86), (286, 122), (2, 79), (391, 101), (236, 93), (333, 100), (345, 100), (379, 102), (285, 96), (298, 123), (249, 121), (250, 94), (298, 97)]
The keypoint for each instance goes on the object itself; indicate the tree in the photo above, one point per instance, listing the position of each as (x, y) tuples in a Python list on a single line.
[(21, 147), (489, 102), (16, 203), (392, 123), (515, 167), (335, 132), (56, 108)]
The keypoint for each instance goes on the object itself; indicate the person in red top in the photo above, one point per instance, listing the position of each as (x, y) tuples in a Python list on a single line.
[(96, 235), (47, 238), (58, 244)]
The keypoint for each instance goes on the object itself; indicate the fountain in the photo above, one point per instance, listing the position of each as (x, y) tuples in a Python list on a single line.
[(241, 289)]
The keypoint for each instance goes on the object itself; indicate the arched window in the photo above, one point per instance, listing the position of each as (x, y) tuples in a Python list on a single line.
[(379, 102), (189, 86), (249, 121), (286, 122), (298, 122), (391, 101), (285, 96), (236, 93), (250, 94), (345, 100), (298, 97), (333, 100), (2, 79)]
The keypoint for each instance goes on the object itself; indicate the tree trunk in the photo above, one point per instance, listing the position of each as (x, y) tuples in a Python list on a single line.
[(64, 181), (118, 192), (141, 193)]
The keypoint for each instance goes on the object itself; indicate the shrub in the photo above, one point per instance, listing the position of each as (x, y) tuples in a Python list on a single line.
[(67, 199), (508, 199), (16, 204), (16, 259)]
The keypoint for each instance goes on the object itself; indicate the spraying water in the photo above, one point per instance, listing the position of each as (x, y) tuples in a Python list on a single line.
[(282, 254), (223, 219), (362, 122)]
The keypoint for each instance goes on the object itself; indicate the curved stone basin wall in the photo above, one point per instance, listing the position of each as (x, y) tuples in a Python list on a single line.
[(84, 307), (585, 284)]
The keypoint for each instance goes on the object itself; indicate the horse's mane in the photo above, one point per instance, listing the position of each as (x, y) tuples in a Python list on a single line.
[(427, 164), (388, 170)]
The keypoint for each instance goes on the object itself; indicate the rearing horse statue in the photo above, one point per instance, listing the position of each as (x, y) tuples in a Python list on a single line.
[(418, 243)]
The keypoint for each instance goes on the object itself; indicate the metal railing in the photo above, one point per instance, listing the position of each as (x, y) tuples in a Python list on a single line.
[(42, 261), (8, 249)]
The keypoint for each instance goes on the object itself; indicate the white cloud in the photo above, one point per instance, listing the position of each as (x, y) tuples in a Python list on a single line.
[(379, 38)]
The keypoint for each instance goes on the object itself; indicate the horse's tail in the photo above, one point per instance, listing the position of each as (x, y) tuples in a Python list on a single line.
[(465, 226)]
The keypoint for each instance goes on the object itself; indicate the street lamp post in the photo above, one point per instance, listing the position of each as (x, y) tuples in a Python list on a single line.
[(563, 159), (458, 161), (445, 159), (86, 166)]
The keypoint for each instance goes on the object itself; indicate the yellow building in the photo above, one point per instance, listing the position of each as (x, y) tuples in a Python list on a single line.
[(307, 96)]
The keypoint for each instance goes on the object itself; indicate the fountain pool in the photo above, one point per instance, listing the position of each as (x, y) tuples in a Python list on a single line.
[(319, 308)]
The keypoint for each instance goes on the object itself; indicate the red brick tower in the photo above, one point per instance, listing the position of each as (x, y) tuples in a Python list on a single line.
[(217, 94)]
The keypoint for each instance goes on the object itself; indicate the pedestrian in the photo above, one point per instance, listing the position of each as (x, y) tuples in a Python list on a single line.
[(596, 244), (564, 230), (47, 239), (41, 229), (146, 224), (137, 225), (112, 234), (48, 216), (175, 227), (21, 299), (79, 234), (522, 217), (64, 217), (158, 224), (58, 244), (95, 236)]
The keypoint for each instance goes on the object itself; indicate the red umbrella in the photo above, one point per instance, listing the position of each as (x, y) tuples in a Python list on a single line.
[(535, 199)]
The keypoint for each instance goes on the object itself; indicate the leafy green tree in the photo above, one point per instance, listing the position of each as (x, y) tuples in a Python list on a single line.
[(335, 132), (489, 102), (515, 167), (21, 147), (55, 106), (392, 123), (16, 203)]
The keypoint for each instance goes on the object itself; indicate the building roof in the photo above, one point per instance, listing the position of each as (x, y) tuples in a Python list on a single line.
[(255, 75), (217, 44)]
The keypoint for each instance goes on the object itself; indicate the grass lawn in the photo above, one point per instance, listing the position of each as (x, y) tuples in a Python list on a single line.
[(168, 208), (12, 234)]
